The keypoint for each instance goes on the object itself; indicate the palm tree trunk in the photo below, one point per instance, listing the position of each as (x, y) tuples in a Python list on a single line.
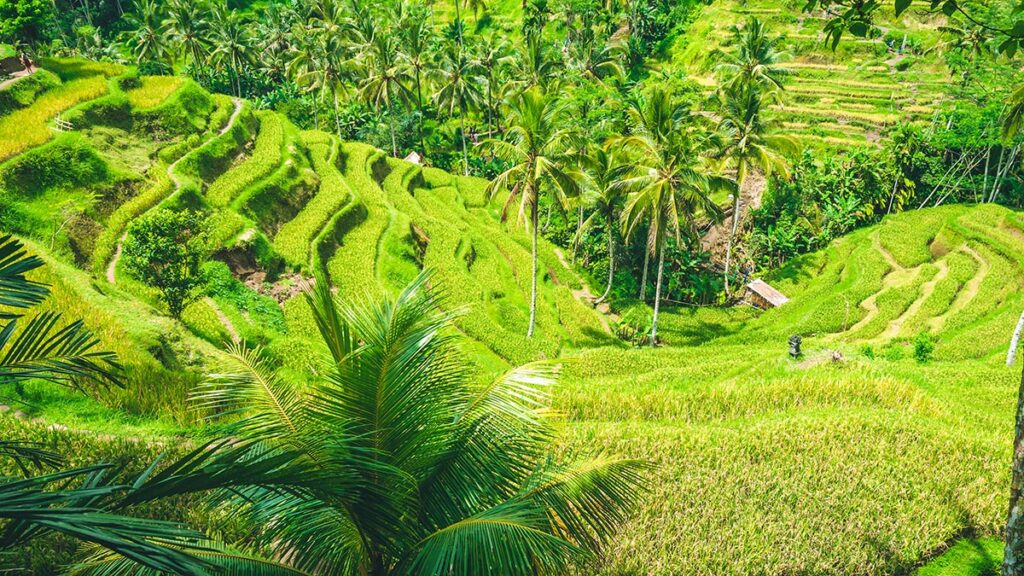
[(316, 112), (458, 19), (643, 278), (1013, 553), (611, 263), (337, 115), (576, 239), (391, 123), (657, 295), (535, 210), (732, 232), (419, 105), (462, 128)]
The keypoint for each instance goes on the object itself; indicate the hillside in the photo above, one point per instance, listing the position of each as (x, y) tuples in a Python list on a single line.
[(866, 465), (282, 203), (883, 445), (834, 100)]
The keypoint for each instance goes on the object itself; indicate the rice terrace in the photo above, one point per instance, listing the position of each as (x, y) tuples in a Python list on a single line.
[(511, 287)]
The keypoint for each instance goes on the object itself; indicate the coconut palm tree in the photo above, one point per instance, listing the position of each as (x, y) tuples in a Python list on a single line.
[(537, 146), (755, 57), (232, 44), (146, 38), (670, 185), (605, 193), (187, 25), (429, 472), (535, 65), (748, 139), (416, 39), (385, 80), (459, 87), (493, 57)]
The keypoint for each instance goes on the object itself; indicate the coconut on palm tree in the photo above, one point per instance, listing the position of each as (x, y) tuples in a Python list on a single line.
[(537, 146)]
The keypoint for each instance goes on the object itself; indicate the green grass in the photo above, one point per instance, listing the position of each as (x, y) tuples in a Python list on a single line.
[(969, 557)]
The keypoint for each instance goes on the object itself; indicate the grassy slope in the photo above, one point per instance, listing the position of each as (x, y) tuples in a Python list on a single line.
[(862, 467), (833, 100), (793, 467)]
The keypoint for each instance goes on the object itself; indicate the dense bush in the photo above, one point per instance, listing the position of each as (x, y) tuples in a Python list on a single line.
[(25, 91)]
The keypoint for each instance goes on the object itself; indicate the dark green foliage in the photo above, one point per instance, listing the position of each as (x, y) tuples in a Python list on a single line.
[(166, 250), (67, 161), (262, 310), (924, 345), (25, 21), (23, 92)]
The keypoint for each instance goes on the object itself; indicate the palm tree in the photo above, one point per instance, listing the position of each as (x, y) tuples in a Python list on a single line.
[(416, 38), (187, 26), (670, 184), (755, 59), (77, 503), (146, 38), (492, 56), (536, 146), (747, 139), (385, 80), (459, 84), (431, 472), (535, 65), (232, 44), (605, 193)]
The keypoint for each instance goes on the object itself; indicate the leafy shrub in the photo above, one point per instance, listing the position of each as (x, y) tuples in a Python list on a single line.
[(635, 324), (25, 91), (923, 347), (129, 81), (166, 249)]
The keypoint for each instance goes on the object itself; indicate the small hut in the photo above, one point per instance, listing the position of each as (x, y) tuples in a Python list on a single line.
[(414, 157), (763, 296)]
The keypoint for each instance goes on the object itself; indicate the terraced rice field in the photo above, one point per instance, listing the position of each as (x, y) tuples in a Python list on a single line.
[(831, 101), (866, 465)]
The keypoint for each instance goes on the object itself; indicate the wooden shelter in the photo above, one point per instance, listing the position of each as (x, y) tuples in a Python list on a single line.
[(763, 296)]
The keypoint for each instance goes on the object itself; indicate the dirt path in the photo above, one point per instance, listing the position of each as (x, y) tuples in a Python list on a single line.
[(172, 174), (896, 276), (17, 76), (927, 289), (585, 295), (224, 320), (966, 294)]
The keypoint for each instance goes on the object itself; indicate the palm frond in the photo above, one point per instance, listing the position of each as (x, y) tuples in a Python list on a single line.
[(63, 355), (16, 290), (223, 560), (509, 539)]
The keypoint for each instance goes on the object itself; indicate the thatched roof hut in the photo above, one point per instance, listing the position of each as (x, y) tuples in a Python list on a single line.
[(760, 294)]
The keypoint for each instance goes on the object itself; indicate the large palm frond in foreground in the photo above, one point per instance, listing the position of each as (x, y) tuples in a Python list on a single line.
[(433, 475), (41, 347)]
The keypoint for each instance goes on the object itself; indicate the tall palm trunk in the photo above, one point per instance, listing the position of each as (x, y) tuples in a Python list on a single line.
[(611, 263), (735, 226), (657, 295), (391, 123), (576, 239), (535, 220), (337, 115), (419, 105), (465, 154), (1013, 553), (643, 277)]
